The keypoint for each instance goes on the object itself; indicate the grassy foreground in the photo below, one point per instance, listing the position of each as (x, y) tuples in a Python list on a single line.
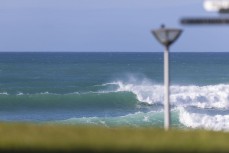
[(59, 138)]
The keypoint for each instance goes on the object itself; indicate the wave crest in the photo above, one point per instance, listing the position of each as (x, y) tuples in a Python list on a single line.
[(212, 96)]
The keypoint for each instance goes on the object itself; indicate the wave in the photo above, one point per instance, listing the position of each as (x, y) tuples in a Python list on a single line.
[(138, 119), (210, 121), (204, 107), (4, 93), (46, 100), (181, 118), (195, 106), (212, 96), (44, 93)]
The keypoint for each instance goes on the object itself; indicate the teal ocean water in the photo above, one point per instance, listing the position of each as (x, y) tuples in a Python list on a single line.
[(114, 89)]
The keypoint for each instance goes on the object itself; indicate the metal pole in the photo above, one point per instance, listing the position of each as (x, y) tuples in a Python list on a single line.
[(166, 89)]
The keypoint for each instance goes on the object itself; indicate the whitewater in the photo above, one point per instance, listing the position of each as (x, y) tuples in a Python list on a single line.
[(203, 107), (198, 106)]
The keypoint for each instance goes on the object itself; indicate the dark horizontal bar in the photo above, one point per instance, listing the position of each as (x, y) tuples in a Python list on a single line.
[(206, 21), (224, 11)]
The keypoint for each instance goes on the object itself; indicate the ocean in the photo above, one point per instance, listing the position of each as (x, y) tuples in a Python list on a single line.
[(114, 89)]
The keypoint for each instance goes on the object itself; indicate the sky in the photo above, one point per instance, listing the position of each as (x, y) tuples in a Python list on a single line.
[(104, 25)]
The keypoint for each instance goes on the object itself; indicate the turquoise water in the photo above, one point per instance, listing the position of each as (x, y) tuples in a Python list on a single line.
[(114, 89)]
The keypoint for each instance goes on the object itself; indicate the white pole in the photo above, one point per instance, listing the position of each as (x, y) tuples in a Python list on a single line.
[(166, 90)]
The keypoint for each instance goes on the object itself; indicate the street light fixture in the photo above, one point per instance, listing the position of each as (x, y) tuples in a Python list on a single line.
[(166, 37)]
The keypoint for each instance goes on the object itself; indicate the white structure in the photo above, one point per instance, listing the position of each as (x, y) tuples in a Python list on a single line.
[(216, 5)]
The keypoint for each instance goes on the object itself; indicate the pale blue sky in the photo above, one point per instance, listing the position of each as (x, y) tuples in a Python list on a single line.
[(103, 25)]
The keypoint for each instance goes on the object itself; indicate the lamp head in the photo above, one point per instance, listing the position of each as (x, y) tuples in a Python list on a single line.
[(166, 36)]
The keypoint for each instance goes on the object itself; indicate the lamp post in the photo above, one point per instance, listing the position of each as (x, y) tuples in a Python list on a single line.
[(166, 37)]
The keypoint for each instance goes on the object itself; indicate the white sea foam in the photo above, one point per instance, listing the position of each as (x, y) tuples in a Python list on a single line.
[(204, 121), (212, 96), (20, 94), (4, 93), (137, 119), (45, 93)]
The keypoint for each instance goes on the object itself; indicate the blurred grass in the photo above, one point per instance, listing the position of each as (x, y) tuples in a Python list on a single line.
[(63, 138)]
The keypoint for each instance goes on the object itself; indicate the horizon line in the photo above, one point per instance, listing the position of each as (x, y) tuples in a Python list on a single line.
[(112, 52)]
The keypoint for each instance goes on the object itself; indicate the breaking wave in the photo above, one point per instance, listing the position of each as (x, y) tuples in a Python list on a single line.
[(140, 104), (212, 96)]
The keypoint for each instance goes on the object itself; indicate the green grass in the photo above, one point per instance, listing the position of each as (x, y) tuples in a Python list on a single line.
[(60, 138)]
